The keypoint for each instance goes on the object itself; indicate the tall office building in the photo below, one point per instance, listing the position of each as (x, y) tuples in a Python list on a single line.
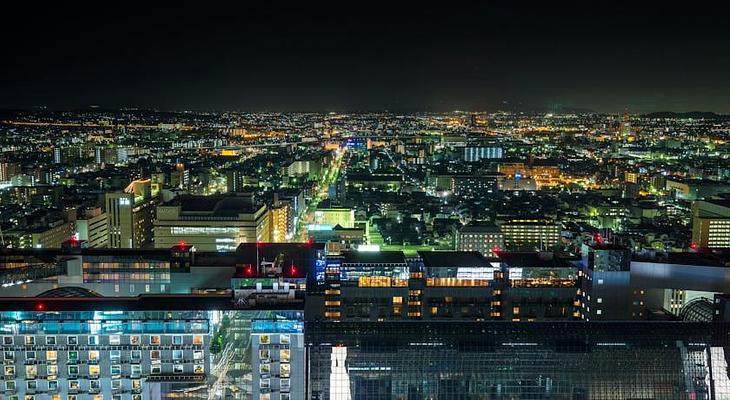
[(496, 360), (131, 215), (711, 223), (606, 284), (212, 223), (92, 228)]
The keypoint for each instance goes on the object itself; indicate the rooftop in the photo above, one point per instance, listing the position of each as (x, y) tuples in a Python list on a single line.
[(537, 259), (374, 257), (218, 205), (480, 228), (715, 258), (450, 259)]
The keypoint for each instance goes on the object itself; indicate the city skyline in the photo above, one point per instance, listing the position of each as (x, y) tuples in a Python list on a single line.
[(364, 201)]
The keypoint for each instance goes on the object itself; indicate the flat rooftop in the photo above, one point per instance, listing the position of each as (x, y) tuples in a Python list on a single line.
[(218, 205), (451, 259), (374, 257)]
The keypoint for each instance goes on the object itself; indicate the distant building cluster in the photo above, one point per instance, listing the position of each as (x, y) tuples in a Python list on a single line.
[(281, 256)]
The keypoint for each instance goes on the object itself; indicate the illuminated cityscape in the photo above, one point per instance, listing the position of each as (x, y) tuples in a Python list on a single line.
[(289, 203)]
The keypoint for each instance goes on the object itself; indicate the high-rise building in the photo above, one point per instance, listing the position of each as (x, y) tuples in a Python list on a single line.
[(180, 177), (92, 228), (212, 223), (8, 170), (236, 180), (131, 215), (277, 354), (281, 221), (607, 293), (711, 223), (56, 155), (97, 354), (497, 360)]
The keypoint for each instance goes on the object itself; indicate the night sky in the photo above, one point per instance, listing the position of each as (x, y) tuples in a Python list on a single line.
[(363, 57)]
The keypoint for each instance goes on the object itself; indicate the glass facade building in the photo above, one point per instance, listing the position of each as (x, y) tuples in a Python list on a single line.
[(502, 360)]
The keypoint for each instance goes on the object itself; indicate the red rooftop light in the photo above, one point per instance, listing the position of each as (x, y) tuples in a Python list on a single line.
[(598, 238), (291, 271)]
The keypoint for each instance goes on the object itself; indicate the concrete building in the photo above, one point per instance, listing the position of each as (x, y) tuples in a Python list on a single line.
[(336, 239), (344, 217), (310, 169), (99, 353), (711, 223), (212, 223), (530, 234), (47, 236), (484, 238), (92, 228), (281, 217), (607, 292), (8, 170), (478, 153), (277, 359), (694, 189), (544, 173), (131, 214)]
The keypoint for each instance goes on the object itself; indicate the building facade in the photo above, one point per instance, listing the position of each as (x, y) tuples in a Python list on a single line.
[(92, 228), (711, 223), (131, 214), (212, 223), (486, 239), (530, 234)]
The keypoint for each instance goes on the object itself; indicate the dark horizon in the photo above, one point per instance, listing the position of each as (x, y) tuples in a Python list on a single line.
[(293, 58)]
